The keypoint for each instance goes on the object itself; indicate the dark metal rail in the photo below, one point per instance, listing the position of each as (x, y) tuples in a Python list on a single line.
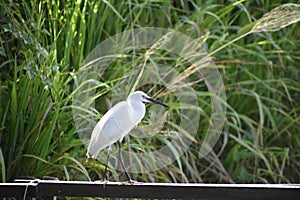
[(45, 189)]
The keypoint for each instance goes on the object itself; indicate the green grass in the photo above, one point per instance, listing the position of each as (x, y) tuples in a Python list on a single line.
[(44, 43)]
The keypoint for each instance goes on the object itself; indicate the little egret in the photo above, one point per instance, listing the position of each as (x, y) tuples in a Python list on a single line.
[(117, 123)]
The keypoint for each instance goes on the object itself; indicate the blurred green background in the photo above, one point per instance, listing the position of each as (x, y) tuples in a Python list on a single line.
[(44, 43)]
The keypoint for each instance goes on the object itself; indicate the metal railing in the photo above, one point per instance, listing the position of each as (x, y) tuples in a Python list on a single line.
[(45, 189)]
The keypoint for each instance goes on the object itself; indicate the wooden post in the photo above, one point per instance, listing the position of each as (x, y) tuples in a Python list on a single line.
[(44, 189)]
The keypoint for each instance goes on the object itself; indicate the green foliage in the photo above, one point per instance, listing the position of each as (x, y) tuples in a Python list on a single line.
[(43, 44)]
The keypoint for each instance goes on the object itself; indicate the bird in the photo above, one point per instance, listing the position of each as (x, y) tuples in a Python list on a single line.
[(116, 123)]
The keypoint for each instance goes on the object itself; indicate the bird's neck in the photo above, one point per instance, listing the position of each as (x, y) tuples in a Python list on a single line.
[(138, 110), (137, 106)]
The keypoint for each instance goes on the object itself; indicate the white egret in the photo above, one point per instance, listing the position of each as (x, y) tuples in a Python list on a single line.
[(117, 123)]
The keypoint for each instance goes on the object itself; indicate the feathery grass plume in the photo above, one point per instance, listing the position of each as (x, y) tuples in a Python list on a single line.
[(278, 18), (274, 20)]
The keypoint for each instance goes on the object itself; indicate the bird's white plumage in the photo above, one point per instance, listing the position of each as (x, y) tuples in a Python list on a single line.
[(117, 122)]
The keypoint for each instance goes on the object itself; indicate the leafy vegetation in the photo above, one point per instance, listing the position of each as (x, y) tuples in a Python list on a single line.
[(44, 43)]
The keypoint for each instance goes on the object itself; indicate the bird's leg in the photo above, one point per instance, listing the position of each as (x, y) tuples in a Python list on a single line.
[(121, 161), (106, 164)]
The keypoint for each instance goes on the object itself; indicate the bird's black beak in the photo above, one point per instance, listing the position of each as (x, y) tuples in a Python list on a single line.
[(157, 102)]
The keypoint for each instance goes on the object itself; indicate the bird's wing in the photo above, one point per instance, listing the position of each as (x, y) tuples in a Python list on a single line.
[(108, 130), (104, 119)]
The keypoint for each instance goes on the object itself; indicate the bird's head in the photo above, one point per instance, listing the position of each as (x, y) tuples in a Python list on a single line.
[(139, 96)]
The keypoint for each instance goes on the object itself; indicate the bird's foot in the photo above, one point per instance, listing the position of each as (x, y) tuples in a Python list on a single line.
[(130, 182), (104, 181)]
